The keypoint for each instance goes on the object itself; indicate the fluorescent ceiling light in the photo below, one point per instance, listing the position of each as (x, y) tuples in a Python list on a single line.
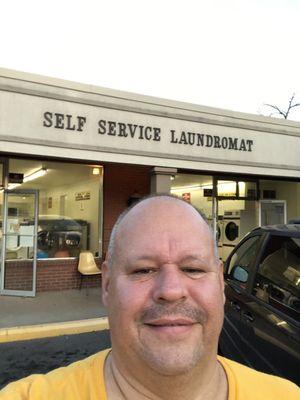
[(12, 186), (96, 171), (35, 175), (180, 188), (191, 187)]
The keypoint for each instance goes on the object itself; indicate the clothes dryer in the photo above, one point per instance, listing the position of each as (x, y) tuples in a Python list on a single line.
[(231, 231)]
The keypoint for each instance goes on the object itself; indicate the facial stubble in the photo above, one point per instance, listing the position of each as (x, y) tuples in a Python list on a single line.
[(174, 356)]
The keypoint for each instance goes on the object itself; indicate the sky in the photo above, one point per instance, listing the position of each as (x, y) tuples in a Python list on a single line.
[(232, 54)]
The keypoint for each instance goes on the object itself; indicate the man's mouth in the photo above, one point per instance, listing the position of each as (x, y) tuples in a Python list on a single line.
[(170, 322), (171, 328), (174, 322)]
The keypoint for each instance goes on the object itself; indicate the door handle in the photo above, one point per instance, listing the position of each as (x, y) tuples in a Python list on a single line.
[(235, 306), (248, 316)]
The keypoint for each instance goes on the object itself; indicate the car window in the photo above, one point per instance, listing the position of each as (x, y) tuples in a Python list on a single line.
[(278, 277), (240, 261)]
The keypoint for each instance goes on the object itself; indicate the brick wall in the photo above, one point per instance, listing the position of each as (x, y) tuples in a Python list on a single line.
[(51, 275), (62, 275), (18, 275), (120, 182)]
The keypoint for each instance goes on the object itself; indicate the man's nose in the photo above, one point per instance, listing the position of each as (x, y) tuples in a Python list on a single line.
[(169, 285)]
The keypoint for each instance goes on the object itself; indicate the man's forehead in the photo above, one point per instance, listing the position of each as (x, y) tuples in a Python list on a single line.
[(165, 228), (160, 207), (161, 215)]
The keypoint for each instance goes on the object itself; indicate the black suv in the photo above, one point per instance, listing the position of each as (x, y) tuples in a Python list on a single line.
[(262, 309)]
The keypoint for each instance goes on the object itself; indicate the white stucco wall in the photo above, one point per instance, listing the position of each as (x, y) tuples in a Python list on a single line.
[(70, 129)]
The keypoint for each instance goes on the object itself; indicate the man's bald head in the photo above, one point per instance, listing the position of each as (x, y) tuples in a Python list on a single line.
[(153, 202)]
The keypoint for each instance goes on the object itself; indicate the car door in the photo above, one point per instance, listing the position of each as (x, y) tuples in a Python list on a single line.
[(237, 273), (270, 318)]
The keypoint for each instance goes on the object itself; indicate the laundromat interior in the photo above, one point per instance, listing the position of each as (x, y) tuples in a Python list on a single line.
[(239, 204)]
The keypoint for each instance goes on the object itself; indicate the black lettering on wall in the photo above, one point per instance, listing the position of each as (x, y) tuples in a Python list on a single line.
[(200, 139), (224, 142), (141, 132), (209, 141), (47, 119), (217, 142), (69, 126), (141, 128), (132, 129), (191, 138), (232, 143), (183, 138), (102, 126), (81, 122), (59, 121), (156, 134), (250, 144), (173, 138), (148, 136), (111, 128), (122, 129), (242, 145)]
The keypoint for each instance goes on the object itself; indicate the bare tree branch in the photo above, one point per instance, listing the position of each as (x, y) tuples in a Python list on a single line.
[(295, 105), (278, 111), (284, 113)]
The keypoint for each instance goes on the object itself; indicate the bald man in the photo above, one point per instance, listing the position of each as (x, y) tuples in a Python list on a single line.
[(163, 286)]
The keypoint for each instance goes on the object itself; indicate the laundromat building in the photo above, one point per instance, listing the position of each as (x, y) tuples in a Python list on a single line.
[(74, 156)]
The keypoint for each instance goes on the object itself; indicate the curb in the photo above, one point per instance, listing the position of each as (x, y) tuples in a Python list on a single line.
[(52, 329)]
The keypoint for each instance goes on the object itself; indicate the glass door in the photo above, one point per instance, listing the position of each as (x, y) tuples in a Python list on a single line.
[(19, 243)]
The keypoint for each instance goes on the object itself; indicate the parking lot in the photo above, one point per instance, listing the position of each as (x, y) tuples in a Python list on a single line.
[(20, 359)]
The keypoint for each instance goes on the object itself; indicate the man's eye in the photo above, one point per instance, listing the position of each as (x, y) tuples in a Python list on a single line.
[(193, 272), (143, 271)]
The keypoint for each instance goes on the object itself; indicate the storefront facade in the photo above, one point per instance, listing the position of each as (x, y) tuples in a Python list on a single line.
[(74, 156)]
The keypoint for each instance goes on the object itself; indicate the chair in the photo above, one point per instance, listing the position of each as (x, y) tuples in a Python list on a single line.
[(87, 265)]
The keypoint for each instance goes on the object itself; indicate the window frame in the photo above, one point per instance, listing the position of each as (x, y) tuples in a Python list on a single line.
[(253, 265), (99, 253), (236, 179), (281, 308)]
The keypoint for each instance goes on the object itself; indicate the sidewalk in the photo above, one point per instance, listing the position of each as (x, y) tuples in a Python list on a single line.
[(74, 310)]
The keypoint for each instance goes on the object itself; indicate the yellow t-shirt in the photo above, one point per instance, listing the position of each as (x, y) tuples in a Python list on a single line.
[(84, 380)]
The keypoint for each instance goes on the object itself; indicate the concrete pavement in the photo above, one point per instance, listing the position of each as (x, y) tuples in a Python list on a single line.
[(48, 331), (51, 314)]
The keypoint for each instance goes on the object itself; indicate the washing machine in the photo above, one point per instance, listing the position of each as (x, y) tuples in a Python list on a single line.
[(231, 231)]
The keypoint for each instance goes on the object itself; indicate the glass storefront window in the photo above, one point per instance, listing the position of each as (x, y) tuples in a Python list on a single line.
[(279, 198), (196, 189), (248, 190), (237, 189), (226, 188), (70, 205)]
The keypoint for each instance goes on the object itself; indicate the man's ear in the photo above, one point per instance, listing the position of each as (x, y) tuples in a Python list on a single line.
[(105, 282), (221, 275)]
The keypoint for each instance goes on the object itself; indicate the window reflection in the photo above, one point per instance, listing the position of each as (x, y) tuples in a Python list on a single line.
[(278, 278), (196, 189)]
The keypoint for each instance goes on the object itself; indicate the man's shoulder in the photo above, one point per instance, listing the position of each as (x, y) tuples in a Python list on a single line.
[(61, 383), (248, 383)]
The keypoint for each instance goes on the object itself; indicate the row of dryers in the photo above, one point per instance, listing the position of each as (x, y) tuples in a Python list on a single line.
[(231, 228)]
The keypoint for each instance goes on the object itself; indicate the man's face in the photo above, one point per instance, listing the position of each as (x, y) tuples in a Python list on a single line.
[(164, 292)]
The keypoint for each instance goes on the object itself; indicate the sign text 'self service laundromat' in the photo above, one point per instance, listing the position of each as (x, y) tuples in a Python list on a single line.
[(146, 132)]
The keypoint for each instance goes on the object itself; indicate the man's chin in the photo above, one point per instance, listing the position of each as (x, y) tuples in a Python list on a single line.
[(172, 360)]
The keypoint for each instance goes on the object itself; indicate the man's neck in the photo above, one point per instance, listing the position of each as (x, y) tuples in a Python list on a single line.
[(212, 385)]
